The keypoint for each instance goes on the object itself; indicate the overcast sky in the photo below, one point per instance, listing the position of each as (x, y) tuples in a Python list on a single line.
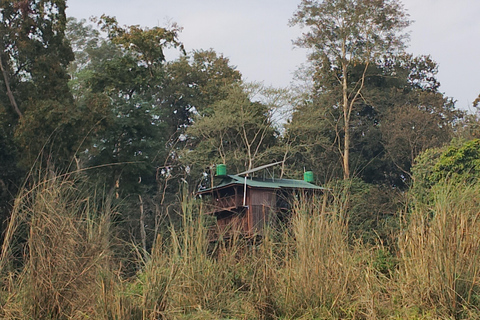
[(255, 36)]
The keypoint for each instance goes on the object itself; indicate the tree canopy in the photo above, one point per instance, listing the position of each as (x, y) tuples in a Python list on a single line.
[(344, 34), (104, 100)]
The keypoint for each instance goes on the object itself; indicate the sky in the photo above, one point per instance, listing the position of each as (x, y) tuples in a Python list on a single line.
[(255, 36)]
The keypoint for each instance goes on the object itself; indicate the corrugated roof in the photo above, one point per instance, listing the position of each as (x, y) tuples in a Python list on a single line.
[(229, 180)]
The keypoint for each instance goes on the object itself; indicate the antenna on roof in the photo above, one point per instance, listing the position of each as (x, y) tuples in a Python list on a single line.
[(259, 168)]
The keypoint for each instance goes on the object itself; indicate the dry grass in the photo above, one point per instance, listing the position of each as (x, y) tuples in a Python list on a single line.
[(440, 254), (61, 245), (58, 262)]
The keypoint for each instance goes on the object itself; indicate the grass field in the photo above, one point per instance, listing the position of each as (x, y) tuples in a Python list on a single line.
[(61, 259)]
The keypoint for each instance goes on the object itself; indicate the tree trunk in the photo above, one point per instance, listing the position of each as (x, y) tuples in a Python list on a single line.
[(112, 192), (143, 233), (346, 125), (9, 91)]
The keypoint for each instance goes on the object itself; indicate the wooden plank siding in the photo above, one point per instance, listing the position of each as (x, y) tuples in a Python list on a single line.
[(224, 200), (232, 216), (261, 208)]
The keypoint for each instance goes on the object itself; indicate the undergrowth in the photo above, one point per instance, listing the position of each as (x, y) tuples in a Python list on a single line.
[(61, 259)]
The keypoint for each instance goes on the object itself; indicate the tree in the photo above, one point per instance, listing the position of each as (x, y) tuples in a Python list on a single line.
[(35, 52), (398, 92), (343, 34), (460, 163), (420, 121), (121, 79), (33, 61), (143, 104), (313, 131), (126, 85), (91, 48), (35, 99), (235, 131), (419, 117), (175, 89), (191, 84)]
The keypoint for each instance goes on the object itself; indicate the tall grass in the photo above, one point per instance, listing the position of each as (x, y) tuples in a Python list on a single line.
[(307, 269), (55, 246), (60, 260), (440, 253), (322, 274)]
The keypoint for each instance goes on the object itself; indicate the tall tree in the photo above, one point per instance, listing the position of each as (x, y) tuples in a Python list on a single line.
[(35, 52), (191, 84), (343, 34), (143, 104), (33, 61), (235, 131), (416, 122), (126, 85), (385, 132), (34, 95), (418, 116)]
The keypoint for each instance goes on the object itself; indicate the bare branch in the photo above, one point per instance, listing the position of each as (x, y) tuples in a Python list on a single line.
[(13, 102)]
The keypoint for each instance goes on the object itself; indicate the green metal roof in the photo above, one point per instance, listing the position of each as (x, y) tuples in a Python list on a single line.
[(230, 180)]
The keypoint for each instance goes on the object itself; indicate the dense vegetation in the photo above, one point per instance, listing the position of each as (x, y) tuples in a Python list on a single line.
[(103, 142)]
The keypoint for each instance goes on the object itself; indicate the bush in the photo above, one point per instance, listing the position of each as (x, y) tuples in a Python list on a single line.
[(457, 163)]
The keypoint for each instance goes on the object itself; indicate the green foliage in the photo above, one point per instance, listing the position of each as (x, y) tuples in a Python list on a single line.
[(346, 37), (235, 131), (400, 116), (314, 138), (130, 134), (34, 58), (35, 51), (140, 106), (352, 30), (384, 262), (148, 44), (371, 210), (191, 85), (35, 101), (457, 163), (152, 101), (367, 94)]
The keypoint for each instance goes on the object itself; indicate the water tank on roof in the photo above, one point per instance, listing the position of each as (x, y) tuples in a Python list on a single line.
[(308, 176), (221, 169)]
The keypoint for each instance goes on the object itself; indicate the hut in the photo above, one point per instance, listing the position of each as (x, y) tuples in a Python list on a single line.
[(246, 204)]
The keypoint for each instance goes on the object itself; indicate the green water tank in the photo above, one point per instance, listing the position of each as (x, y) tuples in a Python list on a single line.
[(308, 176), (221, 169)]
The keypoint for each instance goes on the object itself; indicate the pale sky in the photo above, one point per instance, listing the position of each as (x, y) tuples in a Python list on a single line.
[(255, 36)]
